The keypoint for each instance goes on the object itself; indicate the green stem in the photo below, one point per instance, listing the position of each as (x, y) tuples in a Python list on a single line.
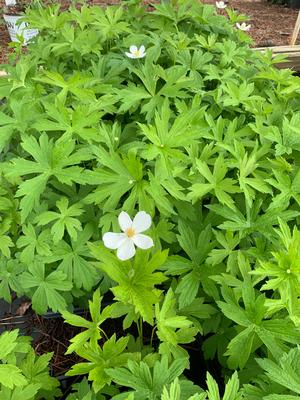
[(152, 334), (140, 330), (104, 334)]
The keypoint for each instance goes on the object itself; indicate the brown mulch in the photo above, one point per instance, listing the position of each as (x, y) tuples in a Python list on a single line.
[(53, 335), (271, 25), (49, 334)]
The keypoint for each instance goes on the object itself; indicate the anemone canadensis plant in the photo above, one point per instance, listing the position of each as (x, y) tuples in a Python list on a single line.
[(190, 128)]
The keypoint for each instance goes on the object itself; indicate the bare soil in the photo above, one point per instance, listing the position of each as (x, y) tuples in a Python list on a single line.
[(271, 25)]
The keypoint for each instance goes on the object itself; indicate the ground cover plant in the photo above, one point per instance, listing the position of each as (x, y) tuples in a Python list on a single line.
[(162, 124), (23, 375)]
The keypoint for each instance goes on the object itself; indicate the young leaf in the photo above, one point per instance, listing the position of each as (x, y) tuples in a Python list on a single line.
[(93, 331)]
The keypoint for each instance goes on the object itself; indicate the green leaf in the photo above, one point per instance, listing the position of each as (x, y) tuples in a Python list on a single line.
[(11, 376), (286, 371), (65, 220), (50, 159), (93, 333), (46, 293), (135, 279), (100, 360), (146, 382)]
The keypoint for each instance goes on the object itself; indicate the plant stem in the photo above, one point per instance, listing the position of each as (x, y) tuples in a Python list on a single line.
[(152, 334), (140, 330)]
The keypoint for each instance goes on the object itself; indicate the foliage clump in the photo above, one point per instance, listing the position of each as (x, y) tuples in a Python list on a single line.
[(200, 132)]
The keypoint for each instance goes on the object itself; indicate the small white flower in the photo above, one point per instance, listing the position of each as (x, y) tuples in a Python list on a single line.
[(135, 52), (125, 242), (243, 26), (221, 5)]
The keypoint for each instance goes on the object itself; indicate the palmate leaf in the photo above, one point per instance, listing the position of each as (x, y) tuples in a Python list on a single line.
[(93, 331), (217, 184), (24, 112), (83, 391), (33, 243), (135, 279), (282, 272), (74, 260), (50, 160), (232, 389), (5, 240), (27, 392), (288, 186), (254, 221), (147, 383), (272, 333), (80, 120), (172, 329), (65, 220), (8, 343), (100, 360), (110, 22), (36, 370), (286, 371), (45, 289), (10, 271), (229, 242), (287, 138), (115, 178), (176, 392), (11, 376), (75, 85), (193, 272), (131, 97), (167, 141)]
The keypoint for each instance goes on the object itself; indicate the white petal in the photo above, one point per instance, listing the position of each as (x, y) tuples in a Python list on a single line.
[(142, 49), (124, 221), (141, 222), (113, 240), (132, 49), (130, 55), (126, 250), (142, 241)]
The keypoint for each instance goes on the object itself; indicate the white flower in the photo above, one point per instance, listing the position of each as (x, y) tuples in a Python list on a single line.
[(221, 4), (135, 52), (131, 235), (243, 26)]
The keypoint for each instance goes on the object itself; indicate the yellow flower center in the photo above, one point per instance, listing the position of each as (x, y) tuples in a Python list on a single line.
[(130, 232), (137, 53)]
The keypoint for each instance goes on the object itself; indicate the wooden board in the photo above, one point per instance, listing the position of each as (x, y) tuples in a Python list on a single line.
[(296, 31), (292, 54)]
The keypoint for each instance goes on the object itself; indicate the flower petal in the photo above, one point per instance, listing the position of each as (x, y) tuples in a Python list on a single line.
[(142, 49), (132, 49), (141, 222), (113, 240), (124, 221), (143, 241), (126, 250), (130, 55)]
